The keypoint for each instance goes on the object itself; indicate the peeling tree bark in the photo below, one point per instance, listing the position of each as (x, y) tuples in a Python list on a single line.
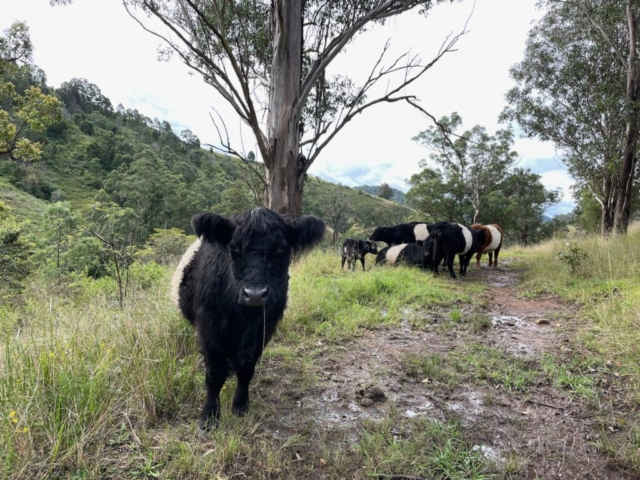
[(625, 178), (282, 172)]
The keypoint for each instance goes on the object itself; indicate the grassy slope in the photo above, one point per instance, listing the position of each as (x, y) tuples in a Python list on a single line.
[(90, 391), (23, 206)]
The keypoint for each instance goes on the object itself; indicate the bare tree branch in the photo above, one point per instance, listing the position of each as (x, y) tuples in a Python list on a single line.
[(389, 97)]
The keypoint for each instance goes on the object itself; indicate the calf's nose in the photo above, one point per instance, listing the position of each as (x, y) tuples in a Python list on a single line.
[(254, 297)]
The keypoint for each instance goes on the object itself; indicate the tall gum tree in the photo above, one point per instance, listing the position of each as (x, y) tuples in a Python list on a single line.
[(268, 60), (578, 86)]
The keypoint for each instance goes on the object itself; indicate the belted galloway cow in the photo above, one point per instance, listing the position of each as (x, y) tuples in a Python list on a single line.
[(232, 285)]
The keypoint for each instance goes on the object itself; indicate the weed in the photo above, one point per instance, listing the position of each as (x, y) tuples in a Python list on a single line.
[(573, 255)]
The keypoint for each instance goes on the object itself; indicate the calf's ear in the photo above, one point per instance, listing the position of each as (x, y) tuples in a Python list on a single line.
[(212, 228), (307, 232)]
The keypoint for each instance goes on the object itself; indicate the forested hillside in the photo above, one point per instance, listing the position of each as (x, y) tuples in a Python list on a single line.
[(98, 153)]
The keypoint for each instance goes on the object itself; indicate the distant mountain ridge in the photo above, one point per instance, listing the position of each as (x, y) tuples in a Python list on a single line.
[(398, 195)]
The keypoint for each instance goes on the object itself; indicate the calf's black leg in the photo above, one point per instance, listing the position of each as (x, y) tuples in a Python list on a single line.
[(240, 405), (362, 261), (343, 260), (216, 374)]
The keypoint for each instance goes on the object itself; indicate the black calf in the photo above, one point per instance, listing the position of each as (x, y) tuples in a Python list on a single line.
[(232, 285), (353, 250)]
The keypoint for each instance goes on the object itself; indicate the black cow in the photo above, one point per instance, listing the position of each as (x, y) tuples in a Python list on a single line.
[(232, 284), (405, 253), (353, 250), (451, 239)]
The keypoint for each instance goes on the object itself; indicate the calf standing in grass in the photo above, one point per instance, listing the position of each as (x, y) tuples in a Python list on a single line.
[(232, 285), (405, 253), (492, 243), (449, 240), (353, 250)]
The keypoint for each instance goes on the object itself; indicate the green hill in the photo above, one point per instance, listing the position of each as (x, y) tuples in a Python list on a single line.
[(120, 155)]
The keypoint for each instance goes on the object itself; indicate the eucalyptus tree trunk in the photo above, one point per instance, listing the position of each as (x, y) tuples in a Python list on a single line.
[(608, 203), (625, 178), (283, 173)]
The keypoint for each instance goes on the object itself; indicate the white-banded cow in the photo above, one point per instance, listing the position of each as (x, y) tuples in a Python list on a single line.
[(403, 233), (449, 240), (232, 285), (492, 243), (353, 250), (405, 253)]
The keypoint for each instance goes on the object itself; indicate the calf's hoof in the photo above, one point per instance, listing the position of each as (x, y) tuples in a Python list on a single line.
[(240, 410), (208, 424)]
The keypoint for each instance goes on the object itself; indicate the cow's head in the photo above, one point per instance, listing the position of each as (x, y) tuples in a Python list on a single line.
[(379, 234), (259, 244), (372, 247)]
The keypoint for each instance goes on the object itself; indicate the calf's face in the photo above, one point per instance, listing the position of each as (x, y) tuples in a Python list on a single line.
[(372, 247), (259, 244)]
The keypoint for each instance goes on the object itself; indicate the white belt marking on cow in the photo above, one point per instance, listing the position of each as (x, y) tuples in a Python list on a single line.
[(393, 252), (420, 232), (468, 239), (496, 236), (176, 280)]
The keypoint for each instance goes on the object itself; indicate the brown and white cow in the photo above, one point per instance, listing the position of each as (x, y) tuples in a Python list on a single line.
[(492, 244)]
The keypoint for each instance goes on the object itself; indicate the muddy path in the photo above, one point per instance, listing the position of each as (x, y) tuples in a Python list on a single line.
[(484, 369)]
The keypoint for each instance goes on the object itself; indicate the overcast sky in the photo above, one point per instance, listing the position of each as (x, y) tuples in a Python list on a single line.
[(97, 40)]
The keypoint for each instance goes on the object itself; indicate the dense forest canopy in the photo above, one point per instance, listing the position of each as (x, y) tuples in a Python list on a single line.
[(472, 178)]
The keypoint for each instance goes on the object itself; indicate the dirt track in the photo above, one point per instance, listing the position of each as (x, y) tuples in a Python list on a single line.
[(549, 430)]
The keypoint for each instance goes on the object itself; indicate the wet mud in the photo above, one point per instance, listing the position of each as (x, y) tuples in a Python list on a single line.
[(548, 432)]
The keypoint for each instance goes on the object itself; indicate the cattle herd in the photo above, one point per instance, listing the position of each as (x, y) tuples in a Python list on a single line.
[(232, 283), (426, 245)]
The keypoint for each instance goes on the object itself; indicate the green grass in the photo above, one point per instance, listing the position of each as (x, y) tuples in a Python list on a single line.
[(475, 364), (23, 206), (334, 304), (91, 391), (605, 286)]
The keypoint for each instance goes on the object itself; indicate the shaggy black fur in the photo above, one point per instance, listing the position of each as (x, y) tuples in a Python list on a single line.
[(234, 291), (353, 250)]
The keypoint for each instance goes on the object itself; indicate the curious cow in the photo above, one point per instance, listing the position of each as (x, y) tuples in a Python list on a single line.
[(492, 242), (353, 250), (405, 253), (449, 240), (232, 284)]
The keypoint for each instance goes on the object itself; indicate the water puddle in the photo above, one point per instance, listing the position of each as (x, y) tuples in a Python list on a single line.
[(509, 320)]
